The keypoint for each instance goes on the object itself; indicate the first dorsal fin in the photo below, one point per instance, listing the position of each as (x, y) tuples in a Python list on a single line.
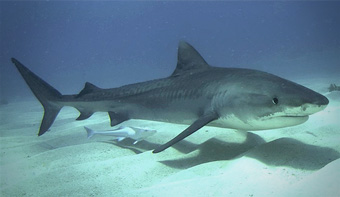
[(89, 87), (188, 59)]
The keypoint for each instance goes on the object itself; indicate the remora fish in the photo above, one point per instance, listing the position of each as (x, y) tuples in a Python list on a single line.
[(136, 133), (195, 93)]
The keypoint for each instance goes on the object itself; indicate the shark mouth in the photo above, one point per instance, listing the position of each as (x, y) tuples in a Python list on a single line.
[(297, 112), (279, 121), (285, 116), (293, 116)]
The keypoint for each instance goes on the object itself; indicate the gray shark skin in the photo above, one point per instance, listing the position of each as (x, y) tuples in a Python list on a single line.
[(196, 94)]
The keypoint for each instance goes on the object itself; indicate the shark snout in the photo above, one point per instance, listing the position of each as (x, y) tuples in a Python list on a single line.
[(320, 100), (318, 103)]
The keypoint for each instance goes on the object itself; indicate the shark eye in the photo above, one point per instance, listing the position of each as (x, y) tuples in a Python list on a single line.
[(275, 100)]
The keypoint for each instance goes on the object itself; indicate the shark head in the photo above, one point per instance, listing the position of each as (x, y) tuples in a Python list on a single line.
[(266, 101)]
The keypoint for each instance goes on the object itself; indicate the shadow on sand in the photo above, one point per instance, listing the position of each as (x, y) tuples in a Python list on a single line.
[(281, 152)]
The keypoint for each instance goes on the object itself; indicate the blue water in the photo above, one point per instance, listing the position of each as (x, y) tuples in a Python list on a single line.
[(116, 43)]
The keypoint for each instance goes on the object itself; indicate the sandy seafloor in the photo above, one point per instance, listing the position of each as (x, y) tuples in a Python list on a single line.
[(297, 161)]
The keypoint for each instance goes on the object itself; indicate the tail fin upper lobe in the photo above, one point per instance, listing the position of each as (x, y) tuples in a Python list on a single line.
[(45, 93)]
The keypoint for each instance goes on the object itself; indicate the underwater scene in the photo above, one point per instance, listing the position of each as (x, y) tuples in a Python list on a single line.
[(170, 98)]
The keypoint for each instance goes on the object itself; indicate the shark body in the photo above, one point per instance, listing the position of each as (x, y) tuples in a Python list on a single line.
[(196, 94), (136, 133)]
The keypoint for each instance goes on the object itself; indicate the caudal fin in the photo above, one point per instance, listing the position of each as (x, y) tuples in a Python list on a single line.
[(45, 93)]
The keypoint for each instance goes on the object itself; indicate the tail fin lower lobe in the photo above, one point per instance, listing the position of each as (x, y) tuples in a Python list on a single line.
[(45, 93)]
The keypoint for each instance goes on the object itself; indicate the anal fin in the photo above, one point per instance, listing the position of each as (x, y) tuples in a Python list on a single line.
[(84, 115), (117, 118), (199, 123)]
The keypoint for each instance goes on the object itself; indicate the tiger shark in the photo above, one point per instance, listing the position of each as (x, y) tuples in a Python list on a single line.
[(196, 94)]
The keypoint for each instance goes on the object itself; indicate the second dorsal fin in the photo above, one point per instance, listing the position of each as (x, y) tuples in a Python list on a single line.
[(89, 88)]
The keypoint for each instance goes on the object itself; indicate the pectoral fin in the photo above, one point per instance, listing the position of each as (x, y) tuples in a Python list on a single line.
[(199, 123)]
